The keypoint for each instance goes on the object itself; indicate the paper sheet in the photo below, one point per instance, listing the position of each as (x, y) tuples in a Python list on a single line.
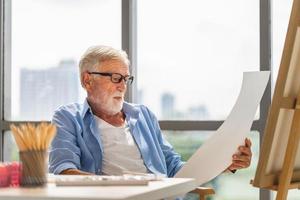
[(215, 155)]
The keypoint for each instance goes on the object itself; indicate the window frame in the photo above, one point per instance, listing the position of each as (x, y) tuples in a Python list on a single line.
[(129, 44)]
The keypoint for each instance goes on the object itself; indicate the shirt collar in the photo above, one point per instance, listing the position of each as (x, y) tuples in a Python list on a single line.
[(86, 108), (130, 110)]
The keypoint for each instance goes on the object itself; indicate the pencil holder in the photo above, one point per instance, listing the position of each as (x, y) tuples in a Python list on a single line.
[(34, 167), (33, 142)]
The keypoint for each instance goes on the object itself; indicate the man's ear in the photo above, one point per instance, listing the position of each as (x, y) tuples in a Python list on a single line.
[(86, 80)]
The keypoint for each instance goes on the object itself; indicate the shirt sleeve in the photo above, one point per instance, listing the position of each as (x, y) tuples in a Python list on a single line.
[(64, 152), (173, 159)]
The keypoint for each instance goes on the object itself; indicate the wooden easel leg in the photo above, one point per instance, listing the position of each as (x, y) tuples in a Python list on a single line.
[(282, 194), (290, 155), (203, 192)]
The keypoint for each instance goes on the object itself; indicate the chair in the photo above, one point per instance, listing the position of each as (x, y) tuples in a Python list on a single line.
[(203, 192)]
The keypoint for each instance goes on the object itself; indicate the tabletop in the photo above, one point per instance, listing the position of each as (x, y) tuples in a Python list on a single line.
[(165, 188)]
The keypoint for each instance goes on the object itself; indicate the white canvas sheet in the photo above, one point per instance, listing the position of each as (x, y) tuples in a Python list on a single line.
[(215, 155)]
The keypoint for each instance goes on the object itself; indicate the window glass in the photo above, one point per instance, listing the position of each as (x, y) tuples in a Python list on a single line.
[(192, 55), (227, 186), (10, 149), (47, 39), (280, 19)]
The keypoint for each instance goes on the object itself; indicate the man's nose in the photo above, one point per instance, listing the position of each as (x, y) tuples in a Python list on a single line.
[(122, 85)]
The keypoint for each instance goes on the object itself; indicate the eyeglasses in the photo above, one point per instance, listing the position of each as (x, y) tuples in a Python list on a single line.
[(115, 77)]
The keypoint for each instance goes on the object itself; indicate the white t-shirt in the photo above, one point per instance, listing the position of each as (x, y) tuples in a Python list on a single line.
[(120, 152)]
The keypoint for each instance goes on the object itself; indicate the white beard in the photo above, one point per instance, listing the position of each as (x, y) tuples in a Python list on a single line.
[(113, 106)]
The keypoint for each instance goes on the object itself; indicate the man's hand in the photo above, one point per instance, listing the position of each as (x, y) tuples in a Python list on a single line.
[(242, 159)]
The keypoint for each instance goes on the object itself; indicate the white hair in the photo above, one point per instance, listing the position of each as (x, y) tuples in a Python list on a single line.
[(95, 55)]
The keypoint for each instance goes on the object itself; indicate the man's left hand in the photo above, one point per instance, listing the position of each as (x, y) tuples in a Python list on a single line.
[(242, 159)]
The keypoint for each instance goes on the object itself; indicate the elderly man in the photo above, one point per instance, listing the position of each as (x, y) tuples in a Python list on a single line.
[(105, 134)]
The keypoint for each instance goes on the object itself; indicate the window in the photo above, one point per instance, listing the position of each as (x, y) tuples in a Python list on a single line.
[(281, 17), (10, 148), (227, 186), (192, 55), (191, 59), (47, 39)]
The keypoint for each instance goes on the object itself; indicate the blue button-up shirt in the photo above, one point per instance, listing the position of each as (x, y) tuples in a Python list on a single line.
[(77, 144)]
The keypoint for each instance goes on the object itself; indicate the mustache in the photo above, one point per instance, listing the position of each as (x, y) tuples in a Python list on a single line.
[(118, 94)]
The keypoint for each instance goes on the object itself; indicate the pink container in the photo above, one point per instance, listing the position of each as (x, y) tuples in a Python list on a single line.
[(10, 174), (15, 174), (4, 175)]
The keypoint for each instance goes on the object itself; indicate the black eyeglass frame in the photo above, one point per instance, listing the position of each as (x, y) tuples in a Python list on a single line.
[(127, 79)]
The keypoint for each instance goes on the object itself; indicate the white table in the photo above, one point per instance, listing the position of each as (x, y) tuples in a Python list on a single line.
[(168, 187)]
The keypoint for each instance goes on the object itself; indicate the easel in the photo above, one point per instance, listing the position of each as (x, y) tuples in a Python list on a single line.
[(283, 118)]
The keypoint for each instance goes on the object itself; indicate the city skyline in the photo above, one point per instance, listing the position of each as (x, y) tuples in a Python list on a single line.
[(44, 90)]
